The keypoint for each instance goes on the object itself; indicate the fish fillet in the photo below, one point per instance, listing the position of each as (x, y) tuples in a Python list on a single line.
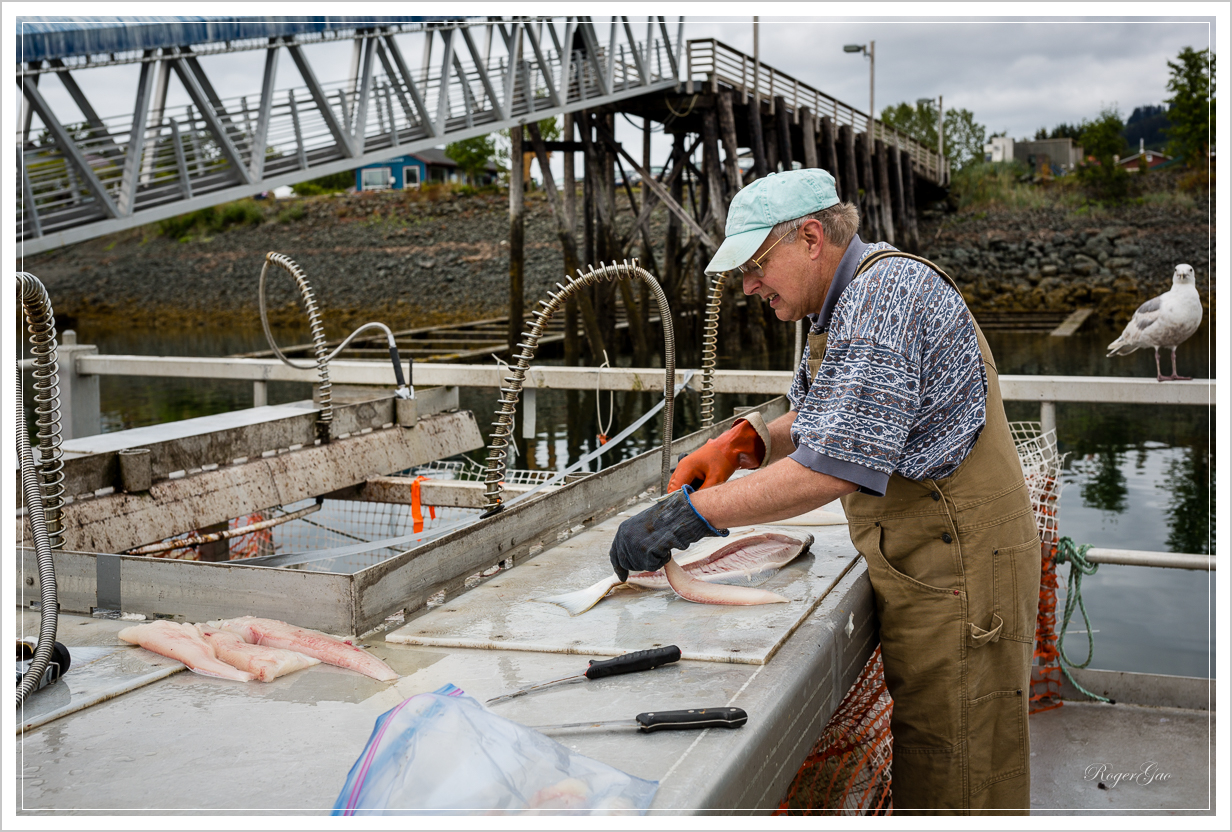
[(183, 643), (327, 648), (263, 662), (691, 589), (741, 555)]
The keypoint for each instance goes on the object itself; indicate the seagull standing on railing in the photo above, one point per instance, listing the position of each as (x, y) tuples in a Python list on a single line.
[(1164, 321)]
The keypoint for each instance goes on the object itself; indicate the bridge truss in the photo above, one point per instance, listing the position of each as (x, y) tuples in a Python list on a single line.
[(105, 174)]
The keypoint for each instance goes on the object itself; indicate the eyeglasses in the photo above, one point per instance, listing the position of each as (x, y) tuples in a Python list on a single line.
[(756, 267)]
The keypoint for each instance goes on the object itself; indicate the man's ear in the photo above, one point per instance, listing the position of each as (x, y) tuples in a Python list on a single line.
[(815, 236)]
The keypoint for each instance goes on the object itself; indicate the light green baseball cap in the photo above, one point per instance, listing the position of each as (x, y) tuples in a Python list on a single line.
[(763, 204)]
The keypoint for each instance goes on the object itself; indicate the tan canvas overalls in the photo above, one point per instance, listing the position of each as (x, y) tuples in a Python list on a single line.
[(955, 569)]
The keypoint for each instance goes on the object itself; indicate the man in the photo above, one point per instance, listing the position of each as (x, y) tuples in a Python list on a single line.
[(896, 410)]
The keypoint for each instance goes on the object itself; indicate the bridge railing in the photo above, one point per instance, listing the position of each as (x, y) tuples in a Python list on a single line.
[(719, 62), (215, 149)]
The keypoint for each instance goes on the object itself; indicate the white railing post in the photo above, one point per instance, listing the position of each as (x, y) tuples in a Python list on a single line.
[(79, 403)]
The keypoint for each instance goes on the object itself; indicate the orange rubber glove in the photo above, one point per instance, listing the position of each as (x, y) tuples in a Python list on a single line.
[(715, 462)]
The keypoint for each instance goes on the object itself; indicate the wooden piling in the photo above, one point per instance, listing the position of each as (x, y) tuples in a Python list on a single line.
[(829, 152), (868, 212), (731, 154), (517, 240), (568, 244), (896, 194), (771, 134), (782, 124), (882, 178), (850, 178), (913, 229), (756, 140), (710, 168), (809, 137)]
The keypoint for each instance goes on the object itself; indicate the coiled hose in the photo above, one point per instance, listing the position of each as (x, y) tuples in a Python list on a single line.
[(319, 347), (495, 469), (42, 483), (710, 342)]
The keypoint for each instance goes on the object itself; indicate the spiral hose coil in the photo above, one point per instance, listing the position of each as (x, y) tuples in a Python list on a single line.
[(495, 469), (42, 483), (41, 322), (318, 335), (405, 389), (710, 340)]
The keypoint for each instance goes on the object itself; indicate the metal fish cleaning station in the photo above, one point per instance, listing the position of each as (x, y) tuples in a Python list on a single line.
[(455, 602)]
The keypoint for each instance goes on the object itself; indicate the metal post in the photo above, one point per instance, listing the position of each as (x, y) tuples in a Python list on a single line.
[(756, 66), (940, 139), (78, 393), (1048, 417), (872, 64), (300, 153)]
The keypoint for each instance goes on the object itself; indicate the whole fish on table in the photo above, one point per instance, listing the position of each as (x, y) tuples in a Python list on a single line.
[(327, 648), (705, 571), (184, 643), (263, 662)]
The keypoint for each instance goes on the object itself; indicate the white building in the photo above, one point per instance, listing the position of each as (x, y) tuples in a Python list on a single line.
[(999, 149)]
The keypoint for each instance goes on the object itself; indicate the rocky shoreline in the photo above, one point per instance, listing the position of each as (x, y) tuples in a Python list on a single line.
[(416, 260)]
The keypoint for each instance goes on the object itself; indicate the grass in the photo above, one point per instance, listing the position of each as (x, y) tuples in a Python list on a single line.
[(292, 213), (218, 218), (1092, 190)]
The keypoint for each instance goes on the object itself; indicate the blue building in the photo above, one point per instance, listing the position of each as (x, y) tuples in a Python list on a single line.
[(413, 169)]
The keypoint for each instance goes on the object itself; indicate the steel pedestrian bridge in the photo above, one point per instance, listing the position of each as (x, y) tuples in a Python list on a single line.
[(414, 83), (84, 180)]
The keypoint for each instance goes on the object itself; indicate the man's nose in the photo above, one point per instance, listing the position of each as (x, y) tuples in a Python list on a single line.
[(749, 283)]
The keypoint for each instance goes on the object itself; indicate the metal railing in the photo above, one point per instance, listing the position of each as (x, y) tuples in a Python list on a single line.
[(719, 62), (83, 180)]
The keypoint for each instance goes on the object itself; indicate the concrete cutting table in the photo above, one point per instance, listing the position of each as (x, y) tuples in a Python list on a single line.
[(189, 743)]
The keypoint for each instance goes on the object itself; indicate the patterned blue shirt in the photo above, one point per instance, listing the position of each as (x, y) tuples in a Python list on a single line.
[(902, 388)]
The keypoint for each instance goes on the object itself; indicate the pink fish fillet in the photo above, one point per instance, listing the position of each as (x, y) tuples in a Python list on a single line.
[(701, 592), (327, 648), (183, 643), (265, 663)]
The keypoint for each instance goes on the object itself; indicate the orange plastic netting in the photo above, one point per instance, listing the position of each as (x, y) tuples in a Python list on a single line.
[(848, 770)]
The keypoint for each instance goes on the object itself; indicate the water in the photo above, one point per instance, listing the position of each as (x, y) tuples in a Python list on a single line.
[(1135, 477)]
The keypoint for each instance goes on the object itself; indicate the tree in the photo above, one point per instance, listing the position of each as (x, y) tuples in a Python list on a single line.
[(1104, 137), (1193, 89), (472, 155), (964, 138)]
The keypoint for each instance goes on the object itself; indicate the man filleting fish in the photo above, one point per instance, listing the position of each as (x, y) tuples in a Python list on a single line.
[(895, 409)]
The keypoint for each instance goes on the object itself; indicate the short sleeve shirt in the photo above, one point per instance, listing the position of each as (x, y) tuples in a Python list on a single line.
[(902, 388)]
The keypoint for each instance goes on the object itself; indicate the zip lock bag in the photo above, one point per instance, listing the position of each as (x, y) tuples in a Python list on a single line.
[(445, 752)]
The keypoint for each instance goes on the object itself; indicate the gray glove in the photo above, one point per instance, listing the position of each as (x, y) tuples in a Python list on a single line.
[(645, 541)]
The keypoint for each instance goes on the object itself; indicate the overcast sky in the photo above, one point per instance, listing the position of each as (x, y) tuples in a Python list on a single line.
[(1013, 75)]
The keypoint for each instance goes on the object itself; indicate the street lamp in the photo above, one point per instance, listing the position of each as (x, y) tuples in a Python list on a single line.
[(869, 52), (920, 102)]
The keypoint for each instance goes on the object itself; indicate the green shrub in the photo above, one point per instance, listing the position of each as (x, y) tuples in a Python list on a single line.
[(332, 184), (292, 213), (218, 218)]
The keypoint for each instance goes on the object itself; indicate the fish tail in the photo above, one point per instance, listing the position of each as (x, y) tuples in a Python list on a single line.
[(578, 602)]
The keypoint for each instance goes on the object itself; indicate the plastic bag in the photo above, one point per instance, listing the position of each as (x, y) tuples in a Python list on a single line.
[(443, 751)]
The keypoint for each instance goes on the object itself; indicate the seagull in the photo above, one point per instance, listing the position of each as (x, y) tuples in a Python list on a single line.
[(1164, 321)]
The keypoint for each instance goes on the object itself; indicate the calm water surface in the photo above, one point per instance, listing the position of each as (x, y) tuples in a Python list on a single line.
[(1136, 476)]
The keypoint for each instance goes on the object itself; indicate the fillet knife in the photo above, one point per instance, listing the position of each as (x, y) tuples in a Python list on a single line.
[(651, 721), (626, 663)]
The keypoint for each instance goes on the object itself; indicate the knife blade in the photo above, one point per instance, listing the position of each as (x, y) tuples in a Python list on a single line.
[(651, 721), (627, 663)]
